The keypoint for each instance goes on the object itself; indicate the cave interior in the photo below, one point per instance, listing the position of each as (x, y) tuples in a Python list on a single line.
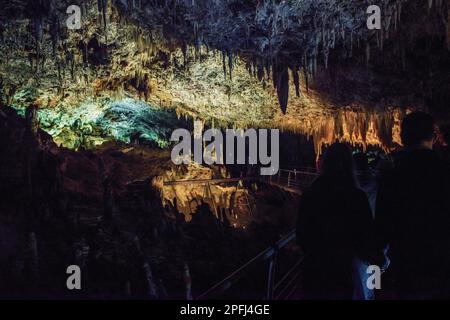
[(91, 91)]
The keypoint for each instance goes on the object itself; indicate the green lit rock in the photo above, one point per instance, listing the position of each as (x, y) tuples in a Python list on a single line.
[(94, 122), (132, 120)]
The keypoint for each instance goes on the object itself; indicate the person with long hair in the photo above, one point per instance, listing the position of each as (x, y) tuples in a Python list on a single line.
[(334, 227)]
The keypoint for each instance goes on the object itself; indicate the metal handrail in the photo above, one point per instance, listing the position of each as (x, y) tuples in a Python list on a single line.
[(207, 181), (270, 254), (313, 173)]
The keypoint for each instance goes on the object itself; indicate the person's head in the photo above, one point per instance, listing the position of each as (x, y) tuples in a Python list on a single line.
[(445, 132), (418, 131), (338, 163)]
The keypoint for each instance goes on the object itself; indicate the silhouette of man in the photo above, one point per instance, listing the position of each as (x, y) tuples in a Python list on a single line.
[(412, 218)]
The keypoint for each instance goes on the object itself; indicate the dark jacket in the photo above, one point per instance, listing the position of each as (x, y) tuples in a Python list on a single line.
[(334, 226), (413, 218)]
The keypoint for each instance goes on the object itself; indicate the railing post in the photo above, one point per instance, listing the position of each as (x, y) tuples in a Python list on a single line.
[(271, 275), (279, 176), (289, 179)]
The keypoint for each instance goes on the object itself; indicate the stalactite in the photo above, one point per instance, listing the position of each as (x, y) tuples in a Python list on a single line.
[(260, 72), (224, 65), (54, 33), (254, 67), (70, 61), (305, 72), (248, 67), (403, 55), (296, 80), (267, 67), (38, 28), (384, 126), (184, 51), (351, 44), (377, 37), (230, 63), (283, 87), (196, 41), (274, 75), (102, 8), (58, 66), (326, 54), (367, 53)]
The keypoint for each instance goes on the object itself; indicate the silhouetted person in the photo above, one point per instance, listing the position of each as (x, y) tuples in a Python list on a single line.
[(412, 216), (334, 227), (445, 130), (444, 145)]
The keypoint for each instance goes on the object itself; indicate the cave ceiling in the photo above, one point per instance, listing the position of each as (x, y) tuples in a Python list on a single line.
[(301, 65)]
